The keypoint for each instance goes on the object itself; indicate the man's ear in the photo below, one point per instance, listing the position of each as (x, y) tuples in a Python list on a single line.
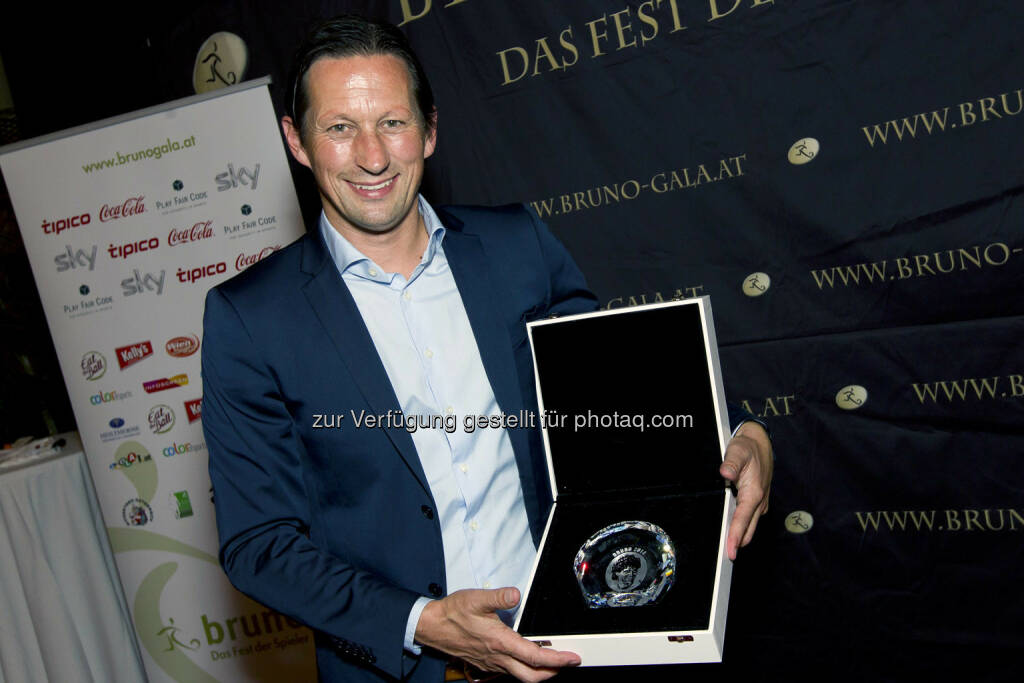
[(291, 134), (431, 140)]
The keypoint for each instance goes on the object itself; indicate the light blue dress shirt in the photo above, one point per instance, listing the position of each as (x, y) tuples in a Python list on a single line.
[(422, 334)]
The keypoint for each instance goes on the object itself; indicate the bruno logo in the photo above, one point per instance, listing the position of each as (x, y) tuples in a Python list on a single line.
[(756, 284), (799, 522), (851, 397), (803, 151)]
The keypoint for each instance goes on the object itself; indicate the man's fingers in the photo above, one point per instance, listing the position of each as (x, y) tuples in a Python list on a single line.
[(537, 657)]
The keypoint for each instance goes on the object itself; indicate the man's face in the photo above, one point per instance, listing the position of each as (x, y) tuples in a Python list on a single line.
[(363, 141)]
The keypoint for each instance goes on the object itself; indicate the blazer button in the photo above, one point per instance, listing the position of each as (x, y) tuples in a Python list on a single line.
[(435, 590), (427, 512)]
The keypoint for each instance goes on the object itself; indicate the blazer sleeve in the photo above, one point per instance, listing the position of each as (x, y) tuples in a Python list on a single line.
[(263, 514)]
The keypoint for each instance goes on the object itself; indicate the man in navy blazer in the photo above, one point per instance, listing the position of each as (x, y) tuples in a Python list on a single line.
[(337, 526)]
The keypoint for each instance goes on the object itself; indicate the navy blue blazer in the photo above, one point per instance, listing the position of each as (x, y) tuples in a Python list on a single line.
[(336, 527)]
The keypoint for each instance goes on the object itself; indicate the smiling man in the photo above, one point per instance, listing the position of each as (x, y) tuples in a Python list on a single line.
[(405, 549)]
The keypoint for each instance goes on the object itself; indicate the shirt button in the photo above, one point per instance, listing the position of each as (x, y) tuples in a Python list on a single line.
[(474, 526), (435, 590), (487, 584), (464, 468), (428, 353), (449, 410), (407, 296), (373, 273), (427, 512)]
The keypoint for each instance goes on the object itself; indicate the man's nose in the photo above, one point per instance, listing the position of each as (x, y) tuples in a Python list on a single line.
[(371, 152)]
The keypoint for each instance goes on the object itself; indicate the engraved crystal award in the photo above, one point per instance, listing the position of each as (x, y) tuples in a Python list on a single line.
[(626, 564)]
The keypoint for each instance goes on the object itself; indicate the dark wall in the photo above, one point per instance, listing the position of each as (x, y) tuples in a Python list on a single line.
[(659, 155)]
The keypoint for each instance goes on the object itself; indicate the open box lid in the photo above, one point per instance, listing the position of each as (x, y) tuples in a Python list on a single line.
[(609, 382)]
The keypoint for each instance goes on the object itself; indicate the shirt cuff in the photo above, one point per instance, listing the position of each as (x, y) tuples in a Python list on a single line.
[(410, 625)]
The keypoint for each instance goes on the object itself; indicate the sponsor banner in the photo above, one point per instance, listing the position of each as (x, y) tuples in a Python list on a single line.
[(123, 256)]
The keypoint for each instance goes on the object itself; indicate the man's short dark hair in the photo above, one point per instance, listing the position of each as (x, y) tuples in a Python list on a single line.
[(349, 35)]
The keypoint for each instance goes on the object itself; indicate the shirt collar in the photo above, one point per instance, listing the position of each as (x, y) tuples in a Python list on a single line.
[(349, 259)]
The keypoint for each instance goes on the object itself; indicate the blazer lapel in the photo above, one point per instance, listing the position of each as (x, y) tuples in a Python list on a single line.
[(469, 268), (337, 311)]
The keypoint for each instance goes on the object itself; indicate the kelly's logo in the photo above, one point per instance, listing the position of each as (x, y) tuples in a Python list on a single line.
[(75, 259), (180, 347), (245, 260), (199, 231), (61, 224), (129, 207), (165, 383), (140, 283), (133, 353), (194, 409), (231, 178), (94, 365), (161, 419)]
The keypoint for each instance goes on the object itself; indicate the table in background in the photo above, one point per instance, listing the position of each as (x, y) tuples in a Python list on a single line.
[(65, 617)]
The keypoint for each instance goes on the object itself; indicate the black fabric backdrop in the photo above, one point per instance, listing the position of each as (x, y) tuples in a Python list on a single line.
[(894, 257)]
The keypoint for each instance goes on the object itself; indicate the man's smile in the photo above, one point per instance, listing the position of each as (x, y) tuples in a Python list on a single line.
[(375, 190)]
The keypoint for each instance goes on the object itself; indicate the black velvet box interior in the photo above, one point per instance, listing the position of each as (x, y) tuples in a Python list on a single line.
[(646, 362)]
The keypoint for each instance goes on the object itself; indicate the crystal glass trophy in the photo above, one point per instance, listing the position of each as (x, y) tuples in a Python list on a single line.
[(626, 564)]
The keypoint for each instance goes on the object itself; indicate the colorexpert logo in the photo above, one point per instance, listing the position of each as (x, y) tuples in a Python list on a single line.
[(180, 347), (129, 207), (133, 353), (108, 397), (165, 383)]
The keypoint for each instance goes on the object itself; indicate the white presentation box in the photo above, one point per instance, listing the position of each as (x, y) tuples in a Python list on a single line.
[(635, 427)]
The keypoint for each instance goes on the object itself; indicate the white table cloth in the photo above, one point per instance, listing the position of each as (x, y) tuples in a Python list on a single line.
[(63, 615)]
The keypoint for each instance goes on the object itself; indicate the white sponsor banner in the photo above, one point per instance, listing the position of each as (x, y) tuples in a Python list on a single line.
[(127, 224)]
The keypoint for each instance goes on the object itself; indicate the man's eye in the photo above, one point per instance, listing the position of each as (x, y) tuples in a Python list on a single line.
[(393, 123), (340, 128)]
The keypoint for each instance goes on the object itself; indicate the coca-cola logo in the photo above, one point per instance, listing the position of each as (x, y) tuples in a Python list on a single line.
[(129, 207), (199, 231), (245, 260), (179, 347)]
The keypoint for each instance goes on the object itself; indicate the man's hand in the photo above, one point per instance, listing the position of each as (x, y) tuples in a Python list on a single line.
[(464, 624), (748, 465)]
